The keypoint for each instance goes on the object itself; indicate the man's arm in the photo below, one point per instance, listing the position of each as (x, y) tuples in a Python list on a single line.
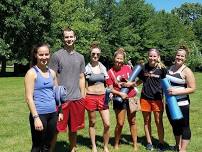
[(82, 84)]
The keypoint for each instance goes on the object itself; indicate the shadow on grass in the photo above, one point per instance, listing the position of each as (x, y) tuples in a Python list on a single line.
[(126, 139), (63, 146)]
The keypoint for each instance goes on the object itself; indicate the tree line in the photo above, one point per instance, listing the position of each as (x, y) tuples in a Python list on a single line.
[(133, 25)]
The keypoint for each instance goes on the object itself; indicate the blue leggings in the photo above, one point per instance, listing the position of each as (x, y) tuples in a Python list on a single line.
[(181, 127), (41, 140)]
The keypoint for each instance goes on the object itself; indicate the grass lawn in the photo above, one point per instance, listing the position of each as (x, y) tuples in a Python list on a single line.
[(15, 132)]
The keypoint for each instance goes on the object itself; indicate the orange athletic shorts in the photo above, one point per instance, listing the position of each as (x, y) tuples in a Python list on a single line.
[(73, 116), (148, 105)]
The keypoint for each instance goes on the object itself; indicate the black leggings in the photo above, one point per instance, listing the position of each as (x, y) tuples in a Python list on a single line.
[(181, 127), (41, 140)]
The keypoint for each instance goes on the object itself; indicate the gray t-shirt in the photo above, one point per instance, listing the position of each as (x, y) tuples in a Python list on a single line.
[(68, 66)]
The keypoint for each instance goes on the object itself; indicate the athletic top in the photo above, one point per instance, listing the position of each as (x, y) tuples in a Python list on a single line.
[(151, 77), (68, 66), (43, 95), (178, 81), (93, 78), (122, 75)]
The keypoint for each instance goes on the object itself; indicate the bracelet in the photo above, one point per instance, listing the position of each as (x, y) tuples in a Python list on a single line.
[(35, 116)]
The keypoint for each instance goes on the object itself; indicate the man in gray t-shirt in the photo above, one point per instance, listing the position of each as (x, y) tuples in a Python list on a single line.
[(70, 67)]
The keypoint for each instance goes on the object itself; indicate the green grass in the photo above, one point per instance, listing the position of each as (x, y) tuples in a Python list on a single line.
[(15, 132)]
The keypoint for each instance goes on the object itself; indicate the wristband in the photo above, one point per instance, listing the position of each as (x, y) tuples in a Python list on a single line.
[(35, 116)]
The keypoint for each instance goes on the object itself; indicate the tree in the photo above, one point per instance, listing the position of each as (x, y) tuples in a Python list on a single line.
[(198, 32), (74, 14), (128, 20), (188, 12), (165, 31), (23, 23), (5, 52)]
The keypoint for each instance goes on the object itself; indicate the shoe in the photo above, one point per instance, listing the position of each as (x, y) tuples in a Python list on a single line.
[(149, 147), (176, 148), (160, 147)]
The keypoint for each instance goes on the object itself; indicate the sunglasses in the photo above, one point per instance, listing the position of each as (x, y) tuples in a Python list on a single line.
[(93, 54)]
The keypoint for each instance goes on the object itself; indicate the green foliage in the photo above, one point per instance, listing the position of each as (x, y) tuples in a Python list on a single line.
[(165, 31), (198, 32), (74, 14), (4, 49), (131, 24), (188, 12), (194, 60), (23, 24)]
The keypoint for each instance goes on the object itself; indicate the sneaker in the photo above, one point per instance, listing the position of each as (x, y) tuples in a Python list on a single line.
[(149, 147), (160, 147), (174, 148)]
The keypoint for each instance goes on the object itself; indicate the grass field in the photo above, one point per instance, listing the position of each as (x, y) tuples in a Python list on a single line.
[(15, 132)]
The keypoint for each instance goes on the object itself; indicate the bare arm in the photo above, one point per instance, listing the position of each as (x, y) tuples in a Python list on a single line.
[(191, 85), (82, 84), (54, 77), (123, 95), (29, 90)]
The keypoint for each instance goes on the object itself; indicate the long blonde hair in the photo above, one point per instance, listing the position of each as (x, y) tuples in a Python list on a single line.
[(159, 63)]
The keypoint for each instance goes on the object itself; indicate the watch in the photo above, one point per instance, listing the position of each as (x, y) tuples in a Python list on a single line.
[(35, 116)]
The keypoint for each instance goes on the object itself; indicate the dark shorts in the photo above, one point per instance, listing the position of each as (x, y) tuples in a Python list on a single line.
[(95, 102), (121, 105), (73, 116)]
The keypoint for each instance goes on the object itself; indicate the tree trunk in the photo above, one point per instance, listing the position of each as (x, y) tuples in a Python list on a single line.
[(3, 64)]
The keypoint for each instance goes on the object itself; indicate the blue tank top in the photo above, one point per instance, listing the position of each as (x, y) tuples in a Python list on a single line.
[(44, 98)]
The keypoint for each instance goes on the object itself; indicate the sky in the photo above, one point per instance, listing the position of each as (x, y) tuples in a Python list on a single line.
[(168, 5)]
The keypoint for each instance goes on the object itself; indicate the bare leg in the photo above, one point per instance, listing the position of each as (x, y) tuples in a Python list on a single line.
[(72, 140), (184, 144), (147, 125), (106, 123), (92, 120), (158, 116), (133, 128), (120, 118), (178, 141)]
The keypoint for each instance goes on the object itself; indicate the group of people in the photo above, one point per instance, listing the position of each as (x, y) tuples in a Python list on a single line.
[(86, 90)]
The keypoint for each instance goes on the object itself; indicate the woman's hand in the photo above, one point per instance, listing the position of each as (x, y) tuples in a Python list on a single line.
[(38, 124), (123, 95), (128, 84), (60, 117), (172, 91)]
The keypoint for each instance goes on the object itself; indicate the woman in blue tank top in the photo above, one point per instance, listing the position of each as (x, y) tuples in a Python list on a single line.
[(39, 82), (183, 83)]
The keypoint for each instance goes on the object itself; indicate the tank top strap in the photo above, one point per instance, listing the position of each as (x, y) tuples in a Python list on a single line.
[(35, 68), (49, 71), (183, 67)]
